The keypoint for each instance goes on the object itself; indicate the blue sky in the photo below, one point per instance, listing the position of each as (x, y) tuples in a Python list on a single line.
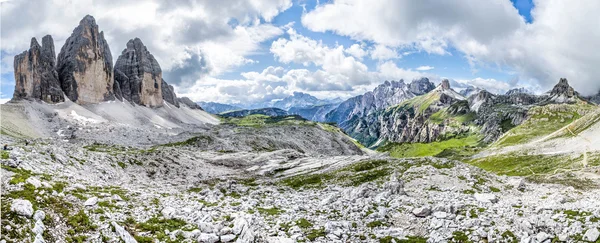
[(243, 51)]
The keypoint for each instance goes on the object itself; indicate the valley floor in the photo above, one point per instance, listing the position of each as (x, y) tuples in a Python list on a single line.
[(97, 193), (235, 183)]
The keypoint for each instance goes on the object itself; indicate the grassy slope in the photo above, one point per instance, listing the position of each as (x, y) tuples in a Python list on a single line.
[(542, 121), (401, 150)]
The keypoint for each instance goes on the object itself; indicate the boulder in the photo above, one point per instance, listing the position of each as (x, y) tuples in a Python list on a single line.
[(421, 211), (208, 238), (591, 235), (35, 73), (139, 75), (125, 236), (486, 197), (34, 181), (22, 207), (91, 201), (84, 65)]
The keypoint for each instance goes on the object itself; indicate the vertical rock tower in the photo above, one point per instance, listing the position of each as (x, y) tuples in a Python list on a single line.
[(139, 76), (85, 65), (35, 73)]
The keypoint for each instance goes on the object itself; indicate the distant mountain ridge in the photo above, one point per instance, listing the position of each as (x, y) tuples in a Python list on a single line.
[(216, 108), (263, 111), (387, 94)]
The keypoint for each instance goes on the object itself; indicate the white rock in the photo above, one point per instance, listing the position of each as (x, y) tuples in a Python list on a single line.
[(280, 240), (208, 238), (39, 228), (91, 201), (206, 227), (227, 238), (39, 239), (563, 237), (34, 181), (542, 236), (125, 236), (440, 215), (168, 212), (39, 215), (117, 198), (591, 235), (226, 231), (22, 207), (421, 211), (486, 197)]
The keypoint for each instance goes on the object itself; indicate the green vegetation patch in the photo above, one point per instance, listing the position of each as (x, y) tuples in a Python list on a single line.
[(263, 120), (5, 154), (270, 211), (538, 168), (360, 172), (402, 150), (542, 121)]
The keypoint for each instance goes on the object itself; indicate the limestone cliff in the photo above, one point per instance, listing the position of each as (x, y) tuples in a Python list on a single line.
[(85, 65), (168, 94), (35, 74), (139, 76)]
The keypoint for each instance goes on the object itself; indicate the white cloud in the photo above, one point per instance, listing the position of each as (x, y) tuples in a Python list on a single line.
[(560, 42), (223, 33), (381, 52), (336, 66), (357, 51), (490, 84), (424, 68)]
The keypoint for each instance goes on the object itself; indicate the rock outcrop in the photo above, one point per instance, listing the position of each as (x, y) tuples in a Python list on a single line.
[(409, 121), (168, 93), (383, 96), (138, 75), (35, 73), (189, 103), (563, 93), (85, 65)]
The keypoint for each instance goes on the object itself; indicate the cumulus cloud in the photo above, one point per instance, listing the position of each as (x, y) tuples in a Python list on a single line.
[(357, 51), (560, 42), (223, 33), (336, 66), (381, 52)]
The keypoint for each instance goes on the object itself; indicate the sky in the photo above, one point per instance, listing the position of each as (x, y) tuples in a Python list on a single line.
[(251, 51)]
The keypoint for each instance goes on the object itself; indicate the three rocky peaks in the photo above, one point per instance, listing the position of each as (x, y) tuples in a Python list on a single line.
[(84, 71)]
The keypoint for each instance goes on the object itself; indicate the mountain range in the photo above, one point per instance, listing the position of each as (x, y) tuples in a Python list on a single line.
[(101, 153)]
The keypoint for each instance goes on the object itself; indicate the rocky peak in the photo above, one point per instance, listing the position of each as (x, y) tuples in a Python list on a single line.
[(563, 88), (518, 91), (84, 65), (139, 75), (445, 84), (421, 86), (35, 73)]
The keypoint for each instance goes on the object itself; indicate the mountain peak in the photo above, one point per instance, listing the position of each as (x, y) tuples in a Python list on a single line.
[(445, 84), (563, 88), (421, 86)]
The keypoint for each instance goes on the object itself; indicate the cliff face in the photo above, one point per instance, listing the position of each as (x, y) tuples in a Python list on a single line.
[(139, 76), (35, 74), (410, 120), (387, 94), (168, 94), (85, 65)]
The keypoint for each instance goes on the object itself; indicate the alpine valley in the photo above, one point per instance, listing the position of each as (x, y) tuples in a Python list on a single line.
[(98, 151)]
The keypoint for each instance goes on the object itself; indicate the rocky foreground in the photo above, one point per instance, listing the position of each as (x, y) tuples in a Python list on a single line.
[(80, 191)]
